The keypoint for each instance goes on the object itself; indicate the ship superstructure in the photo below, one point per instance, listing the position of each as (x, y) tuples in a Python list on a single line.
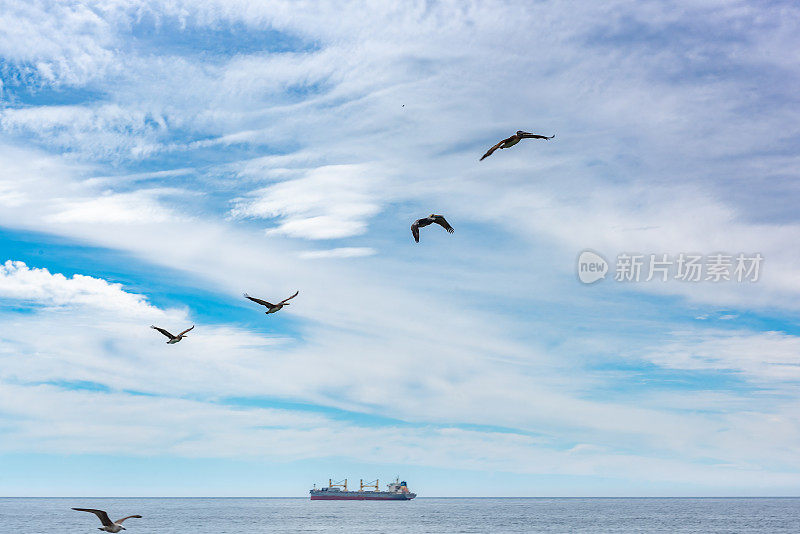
[(337, 491)]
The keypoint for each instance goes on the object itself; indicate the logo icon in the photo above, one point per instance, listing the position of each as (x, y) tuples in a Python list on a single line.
[(591, 267)]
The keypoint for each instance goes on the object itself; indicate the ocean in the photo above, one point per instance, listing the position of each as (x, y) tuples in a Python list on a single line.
[(422, 515)]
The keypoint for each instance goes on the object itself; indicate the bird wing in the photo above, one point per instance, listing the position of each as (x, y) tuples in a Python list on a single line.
[(185, 331), (443, 223), (491, 150), (290, 298), (119, 521), (99, 513), (259, 301), (536, 136), (162, 331), (415, 231)]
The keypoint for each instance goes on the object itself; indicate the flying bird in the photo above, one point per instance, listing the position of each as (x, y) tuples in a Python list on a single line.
[(172, 339), (513, 140), (108, 526), (272, 308), (430, 219)]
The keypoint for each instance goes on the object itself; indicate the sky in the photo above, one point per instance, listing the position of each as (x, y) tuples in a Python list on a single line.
[(160, 158)]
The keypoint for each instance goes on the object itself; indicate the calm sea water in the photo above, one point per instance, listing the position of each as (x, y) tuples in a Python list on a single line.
[(422, 515)]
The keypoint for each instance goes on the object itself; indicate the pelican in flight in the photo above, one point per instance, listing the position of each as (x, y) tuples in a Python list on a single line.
[(108, 526), (430, 219), (513, 140), (172, 339), (272, 308)]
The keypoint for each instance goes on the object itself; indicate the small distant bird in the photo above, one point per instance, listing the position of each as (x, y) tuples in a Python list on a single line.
[(430, 219), (172, 339), (108, 526), (513, 140), (272, 307)]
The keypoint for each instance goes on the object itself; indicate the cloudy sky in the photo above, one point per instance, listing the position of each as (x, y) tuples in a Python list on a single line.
[(159, 158)]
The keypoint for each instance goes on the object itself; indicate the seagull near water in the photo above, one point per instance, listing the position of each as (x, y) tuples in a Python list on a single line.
[(108, 525), (513, 140), (430, 219), (272, 308), (172, 339)]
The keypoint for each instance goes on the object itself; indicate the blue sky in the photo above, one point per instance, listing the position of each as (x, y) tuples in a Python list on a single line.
[(157, 159)]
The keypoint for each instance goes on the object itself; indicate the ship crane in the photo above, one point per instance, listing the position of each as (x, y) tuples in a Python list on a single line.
[(338, 484), (369, 485)]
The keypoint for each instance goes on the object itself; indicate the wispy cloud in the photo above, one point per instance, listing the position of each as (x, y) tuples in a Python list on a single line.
[(758, 356), (328, 202), (341, 252)]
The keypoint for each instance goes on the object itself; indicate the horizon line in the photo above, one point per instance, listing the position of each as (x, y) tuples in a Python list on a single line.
[(432, 497)]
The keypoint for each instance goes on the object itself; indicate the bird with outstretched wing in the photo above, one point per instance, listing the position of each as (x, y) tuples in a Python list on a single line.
[(272, 308), (108, 525), (430, 219), (172, 339), (513, 140)]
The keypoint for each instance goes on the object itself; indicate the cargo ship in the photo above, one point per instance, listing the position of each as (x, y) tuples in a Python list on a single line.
[(396, 491)]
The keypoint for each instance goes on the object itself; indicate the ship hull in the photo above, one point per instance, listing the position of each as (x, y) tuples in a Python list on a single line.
[(359, 496)]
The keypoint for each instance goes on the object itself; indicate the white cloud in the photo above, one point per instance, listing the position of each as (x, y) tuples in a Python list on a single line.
[(341, 252), (20, 282), (106, 131), (62, 196), (327, 202), (758, 356), (133, 207), (56, 43)]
